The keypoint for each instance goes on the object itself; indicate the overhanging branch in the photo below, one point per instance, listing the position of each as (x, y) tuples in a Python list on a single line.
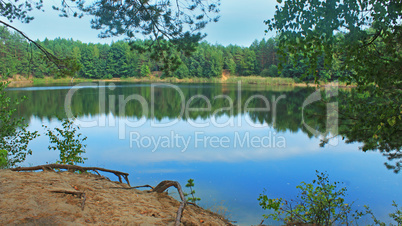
[(48, 55)]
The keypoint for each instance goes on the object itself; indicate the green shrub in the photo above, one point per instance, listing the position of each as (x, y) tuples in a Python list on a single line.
[(3, 159), (272, 71), (68, 142), (319, 202), (265, 73)]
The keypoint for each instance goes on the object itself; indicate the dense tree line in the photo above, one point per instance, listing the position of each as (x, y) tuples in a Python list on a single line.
[(119, 60)]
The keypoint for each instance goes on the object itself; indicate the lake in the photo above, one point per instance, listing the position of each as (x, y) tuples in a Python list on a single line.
[(234, 140)]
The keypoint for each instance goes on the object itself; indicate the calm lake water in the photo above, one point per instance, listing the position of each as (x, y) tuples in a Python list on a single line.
[(233, 140)]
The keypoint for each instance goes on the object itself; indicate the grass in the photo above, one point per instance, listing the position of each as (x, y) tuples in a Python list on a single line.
[(253, 79), (232, 79), (50, 80), (261, 80)]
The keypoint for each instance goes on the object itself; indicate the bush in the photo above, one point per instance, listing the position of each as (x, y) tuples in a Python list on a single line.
[(182, 72), (320, 202), (265, 73), (272, 71), (68, 143)]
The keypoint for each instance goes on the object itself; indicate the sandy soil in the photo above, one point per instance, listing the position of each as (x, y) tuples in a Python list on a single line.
[(20, 81), (225, 75), (29, 198)]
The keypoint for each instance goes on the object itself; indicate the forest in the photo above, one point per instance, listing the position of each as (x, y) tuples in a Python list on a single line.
[(120, 60)]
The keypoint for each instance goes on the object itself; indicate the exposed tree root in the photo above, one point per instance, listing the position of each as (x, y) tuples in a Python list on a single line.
[(142, 186), (74, 168), (78, 193), (162, 186)]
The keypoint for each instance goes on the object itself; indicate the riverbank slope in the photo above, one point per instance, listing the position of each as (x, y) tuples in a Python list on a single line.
[(46, 198)]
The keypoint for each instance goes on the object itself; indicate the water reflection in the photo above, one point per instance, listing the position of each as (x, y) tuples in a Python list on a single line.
[(226, 101)]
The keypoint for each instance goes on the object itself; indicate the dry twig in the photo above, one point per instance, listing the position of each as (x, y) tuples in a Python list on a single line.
[(78, 193)]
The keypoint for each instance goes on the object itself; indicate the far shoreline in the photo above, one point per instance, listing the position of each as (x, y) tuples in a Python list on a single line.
[(22, 81)]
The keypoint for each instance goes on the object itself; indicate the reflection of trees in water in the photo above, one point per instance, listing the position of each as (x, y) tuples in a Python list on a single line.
[(354, 118), (360, 122), (168, 103)]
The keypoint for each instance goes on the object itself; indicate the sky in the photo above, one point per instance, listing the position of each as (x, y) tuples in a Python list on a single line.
[(241, 22)]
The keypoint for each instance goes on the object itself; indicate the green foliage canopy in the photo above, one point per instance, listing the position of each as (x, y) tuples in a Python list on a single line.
[(361, 40), (11, 10), (179, 21), (316, 28), (115, 60)]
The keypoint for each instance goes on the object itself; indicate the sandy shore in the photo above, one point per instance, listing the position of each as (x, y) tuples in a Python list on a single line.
[(42, 198)]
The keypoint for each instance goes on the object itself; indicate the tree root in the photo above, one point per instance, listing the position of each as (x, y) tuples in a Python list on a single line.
[(78, 193), (142, 186), (74, 168), (162, 186)]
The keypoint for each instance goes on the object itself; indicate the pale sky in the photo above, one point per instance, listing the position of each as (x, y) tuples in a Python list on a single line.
[(241, 23)]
